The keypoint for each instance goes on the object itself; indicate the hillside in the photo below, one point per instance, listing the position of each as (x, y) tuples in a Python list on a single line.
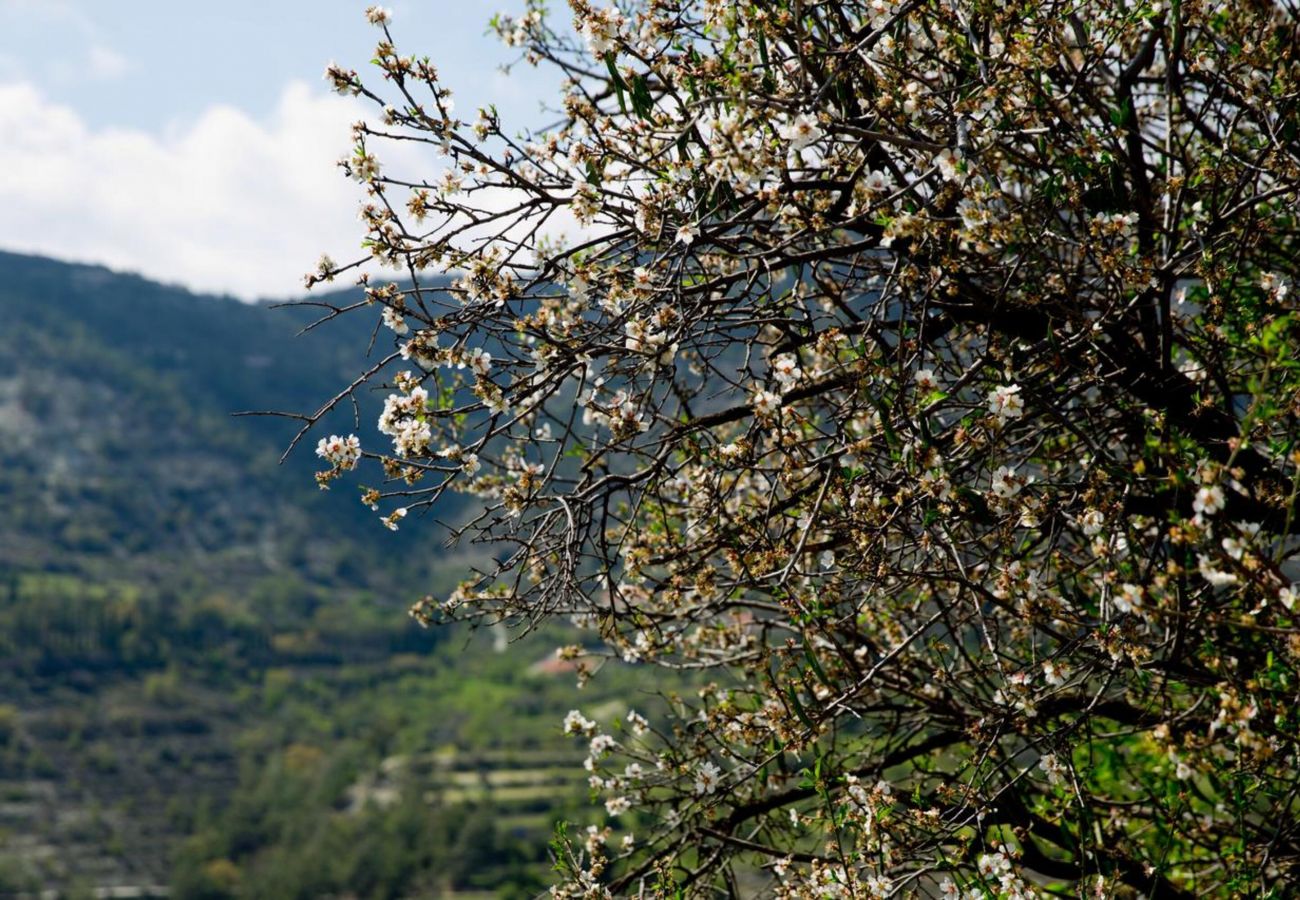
[(118, 443), (209, 683)]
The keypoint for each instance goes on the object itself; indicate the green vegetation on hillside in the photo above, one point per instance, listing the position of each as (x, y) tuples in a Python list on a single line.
[(209, 680)]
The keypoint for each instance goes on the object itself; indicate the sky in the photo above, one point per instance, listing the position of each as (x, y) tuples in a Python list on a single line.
[(195, 143)]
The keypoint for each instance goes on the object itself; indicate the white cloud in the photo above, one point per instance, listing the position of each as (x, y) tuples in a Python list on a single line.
[(105, 62), (54, 41), (226, 203), (60, 11)]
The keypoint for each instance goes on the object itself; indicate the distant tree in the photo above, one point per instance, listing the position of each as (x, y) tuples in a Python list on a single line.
[(925, 373)]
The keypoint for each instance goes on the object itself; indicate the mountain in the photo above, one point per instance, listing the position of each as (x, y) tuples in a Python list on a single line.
[(208, 683), (116, 396)]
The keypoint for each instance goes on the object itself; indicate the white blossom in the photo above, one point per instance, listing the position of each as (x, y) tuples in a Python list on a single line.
[(766, 404), (707, 777), (479, 360), (1128, 599), (949, 162), (877, 182), (1053, 768), (393, 319), (1288, 596), (637, 723), (1274, 284), (1006, 483), (1005, 402), (994, 864), (1216, 577), (576, 723), (1054, 673), (1092, 522), (600, 29), (801, 131), (340, 452), (786, 369), (925, 380), (1209, 500)]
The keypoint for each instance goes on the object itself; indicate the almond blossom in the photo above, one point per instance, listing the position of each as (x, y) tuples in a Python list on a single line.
[(728, 371)]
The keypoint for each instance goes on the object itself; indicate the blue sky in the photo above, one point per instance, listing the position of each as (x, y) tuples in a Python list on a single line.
[(194, 142)]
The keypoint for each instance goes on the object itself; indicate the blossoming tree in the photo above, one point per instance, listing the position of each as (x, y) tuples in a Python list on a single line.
[(921, 376)]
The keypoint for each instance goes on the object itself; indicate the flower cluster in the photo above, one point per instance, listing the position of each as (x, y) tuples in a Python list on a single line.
[(341, 452), (916, 378)]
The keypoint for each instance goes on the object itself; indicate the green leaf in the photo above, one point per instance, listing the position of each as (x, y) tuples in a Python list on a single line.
[(619, 85), (1122, 114), (798, 708), (816, 666), (642, 102)]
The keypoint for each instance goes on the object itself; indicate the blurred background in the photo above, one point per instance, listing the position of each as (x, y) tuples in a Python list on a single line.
[(209, 686)]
